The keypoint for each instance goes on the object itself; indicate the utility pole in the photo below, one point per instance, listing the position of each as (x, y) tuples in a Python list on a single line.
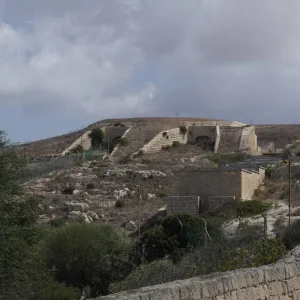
[(139, 210), (290, 200)]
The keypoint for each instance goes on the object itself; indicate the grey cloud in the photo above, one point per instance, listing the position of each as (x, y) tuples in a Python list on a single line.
[(237, 59)]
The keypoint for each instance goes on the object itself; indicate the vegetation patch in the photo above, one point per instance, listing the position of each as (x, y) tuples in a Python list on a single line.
[(124, 141), (68, 190), (175, 144), (183, 129), (252, 207), (96, 136), (221, 158), (164, 134), (90, 186)]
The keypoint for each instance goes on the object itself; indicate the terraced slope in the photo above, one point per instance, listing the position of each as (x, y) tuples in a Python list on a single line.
[(280, 135), (143, 130), (230, 138), (52, 146)]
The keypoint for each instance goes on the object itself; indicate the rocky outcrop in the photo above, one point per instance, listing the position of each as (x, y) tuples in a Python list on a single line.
[(280, 281)]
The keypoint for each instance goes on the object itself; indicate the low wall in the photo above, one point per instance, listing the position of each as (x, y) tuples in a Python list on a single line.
[(280, 281), (163, 140), (183, 205)]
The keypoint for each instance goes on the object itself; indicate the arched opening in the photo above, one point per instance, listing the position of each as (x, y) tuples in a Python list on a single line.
[(205, 143)]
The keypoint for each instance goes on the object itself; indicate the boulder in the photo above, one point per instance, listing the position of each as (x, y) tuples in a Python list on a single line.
[(93, 215), (151, 196), (71, 206), (130, 226)]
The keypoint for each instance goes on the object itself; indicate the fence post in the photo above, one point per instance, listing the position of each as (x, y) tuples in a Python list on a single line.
[(238, 231), (265, 224)]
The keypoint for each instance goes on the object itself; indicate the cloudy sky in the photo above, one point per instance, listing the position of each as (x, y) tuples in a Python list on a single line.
[(67, 63)]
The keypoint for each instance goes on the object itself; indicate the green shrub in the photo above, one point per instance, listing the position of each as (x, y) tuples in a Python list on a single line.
[(68, 190), (216, 257), (87, 254), (295, 235), (183, 129), (77, 149), (125, 160), (162, 193), (120, 203), (190, 234), (96, 136), (155, 244), (124, 141), (90, 186), (269, 171), (221, 158), (252, 207), (175, 144), (272, 189)]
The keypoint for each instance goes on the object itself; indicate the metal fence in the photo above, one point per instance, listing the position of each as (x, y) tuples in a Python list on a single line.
[(42, 166)]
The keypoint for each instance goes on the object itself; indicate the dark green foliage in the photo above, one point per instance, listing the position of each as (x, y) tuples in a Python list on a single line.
[(96, 136), (118, 124), (68, 190), (216, 257), (269, 171), (120, 203), (22, 274), (90, 186), (189, 234), (124, 141), (125, 160), (293, 240), (77, 149), (162, 193), (175, 144), (155, 244), (220, 158), (183, 129), (252, 207), (86, 254)]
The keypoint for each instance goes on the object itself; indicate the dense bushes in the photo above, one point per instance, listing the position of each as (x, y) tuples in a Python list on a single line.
[(96, 136), (252, 208), (86, 254), (221, 158), (124, 141), (294, 236), (215, 257)]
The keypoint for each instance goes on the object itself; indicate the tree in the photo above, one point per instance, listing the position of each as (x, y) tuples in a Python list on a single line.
[(96, 136), (21, 275), (87, 255)]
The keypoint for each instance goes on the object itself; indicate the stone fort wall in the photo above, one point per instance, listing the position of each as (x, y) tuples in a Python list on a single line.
[(279, 281)]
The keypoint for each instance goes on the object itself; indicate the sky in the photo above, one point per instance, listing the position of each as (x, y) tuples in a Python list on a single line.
[(65, 64)]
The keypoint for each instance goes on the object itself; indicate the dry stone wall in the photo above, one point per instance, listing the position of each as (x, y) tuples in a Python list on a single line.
[(216, 202), (183, 205), (165, 138), (279, 281)]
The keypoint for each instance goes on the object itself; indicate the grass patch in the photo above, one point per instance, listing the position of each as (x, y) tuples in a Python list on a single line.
[(220, 158)]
